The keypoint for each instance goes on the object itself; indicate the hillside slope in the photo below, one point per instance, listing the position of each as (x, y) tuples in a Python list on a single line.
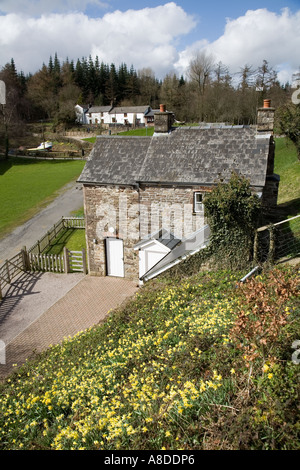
[(196, 363)]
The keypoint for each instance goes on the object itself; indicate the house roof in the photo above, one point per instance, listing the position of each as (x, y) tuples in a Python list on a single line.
[(184, 156), (130, 109), (115, 160), (100, 109)]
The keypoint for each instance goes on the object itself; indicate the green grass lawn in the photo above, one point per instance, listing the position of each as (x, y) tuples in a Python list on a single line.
[(139, 132), (26, 186), (287, 166), (72, 239), (134, 132), (92, 140)]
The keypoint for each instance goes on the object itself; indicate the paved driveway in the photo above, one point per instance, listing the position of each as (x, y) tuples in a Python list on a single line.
[(41, 310)]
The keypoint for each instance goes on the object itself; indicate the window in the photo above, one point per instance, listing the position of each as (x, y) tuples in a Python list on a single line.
[(198, 202)]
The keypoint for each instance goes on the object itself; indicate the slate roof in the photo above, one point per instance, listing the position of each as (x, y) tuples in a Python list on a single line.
[(129, 109), (184, 156), (115, 160), (100, 109)]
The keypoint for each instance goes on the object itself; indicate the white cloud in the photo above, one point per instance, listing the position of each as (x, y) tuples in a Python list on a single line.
[(30, 32), (144, 38), (249, 39)]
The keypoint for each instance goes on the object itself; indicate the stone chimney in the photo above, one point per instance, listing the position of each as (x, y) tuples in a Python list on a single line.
[(265, 118), (163, 120)]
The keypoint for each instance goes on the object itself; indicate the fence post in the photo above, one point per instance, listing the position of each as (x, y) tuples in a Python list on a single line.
[(271, 255), (66, 260), (25, 259), (83, 261), (255, 248)]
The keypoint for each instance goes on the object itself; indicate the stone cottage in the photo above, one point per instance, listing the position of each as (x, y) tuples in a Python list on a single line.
[(143, 196)]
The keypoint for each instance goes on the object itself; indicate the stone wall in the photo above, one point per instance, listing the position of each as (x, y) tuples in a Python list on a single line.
[(170, 208), (107, 208), (265, 120), (270, 193), (133, 213)]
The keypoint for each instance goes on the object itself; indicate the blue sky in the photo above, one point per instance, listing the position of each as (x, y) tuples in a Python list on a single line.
[(211, 15), (162, 35)]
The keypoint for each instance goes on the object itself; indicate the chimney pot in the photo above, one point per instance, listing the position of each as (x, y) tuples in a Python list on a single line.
[(163, 120), (267, 103), (265, 118)]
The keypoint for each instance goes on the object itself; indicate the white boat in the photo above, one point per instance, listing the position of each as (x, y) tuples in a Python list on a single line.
[(43, 146)]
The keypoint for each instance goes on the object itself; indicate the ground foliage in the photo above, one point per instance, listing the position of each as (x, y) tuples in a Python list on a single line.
[(201, 363)]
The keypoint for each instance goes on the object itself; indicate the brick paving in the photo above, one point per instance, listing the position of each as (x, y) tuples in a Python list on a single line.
[(85, 305)]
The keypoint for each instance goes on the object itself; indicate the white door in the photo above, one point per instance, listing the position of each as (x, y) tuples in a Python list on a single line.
[(115, 257), (151, 255)]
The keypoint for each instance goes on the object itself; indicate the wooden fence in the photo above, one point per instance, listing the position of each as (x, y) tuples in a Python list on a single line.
[(35, 260), (46, 263), (65, 222), (69, 262), (11, 268)]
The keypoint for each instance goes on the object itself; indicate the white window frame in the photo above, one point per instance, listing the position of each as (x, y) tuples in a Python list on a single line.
[(198, 205)]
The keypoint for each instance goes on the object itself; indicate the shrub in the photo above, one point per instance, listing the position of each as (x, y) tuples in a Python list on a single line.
[(232, 212)]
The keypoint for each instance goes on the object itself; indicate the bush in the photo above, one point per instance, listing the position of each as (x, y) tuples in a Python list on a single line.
[(232, 212)]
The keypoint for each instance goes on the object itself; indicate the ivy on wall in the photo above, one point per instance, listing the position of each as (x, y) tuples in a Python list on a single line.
[(232, 212)]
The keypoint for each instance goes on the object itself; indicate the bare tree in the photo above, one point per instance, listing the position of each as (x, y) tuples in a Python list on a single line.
[(199, 72), (149, 86), (11, 107)]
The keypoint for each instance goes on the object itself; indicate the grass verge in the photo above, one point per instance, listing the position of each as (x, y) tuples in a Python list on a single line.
[(287, 166)]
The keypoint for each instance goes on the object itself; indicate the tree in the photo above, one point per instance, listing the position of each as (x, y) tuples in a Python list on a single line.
[(13, 112), (41, 92), (246, 96), (232, 213), (220, 95), (149, 87), (200, 70), (111, 85)]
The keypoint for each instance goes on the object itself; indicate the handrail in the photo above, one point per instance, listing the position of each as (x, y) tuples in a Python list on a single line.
[(265, 227)]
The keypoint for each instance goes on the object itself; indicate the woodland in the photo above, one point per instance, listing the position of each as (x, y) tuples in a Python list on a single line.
[(208, 92)]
